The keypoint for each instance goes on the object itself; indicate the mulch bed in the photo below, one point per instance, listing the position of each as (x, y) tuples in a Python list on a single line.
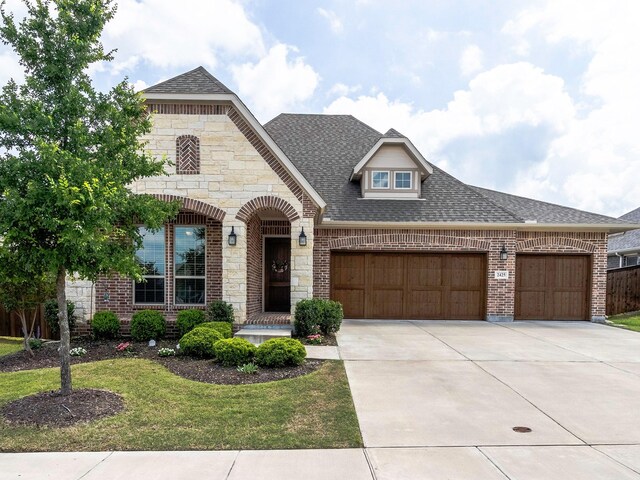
[(55, 410), (327, 341), (193, 369)]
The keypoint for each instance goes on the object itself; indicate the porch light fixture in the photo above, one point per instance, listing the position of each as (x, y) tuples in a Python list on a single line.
[(232, 237), (503, 253), (302, 239)]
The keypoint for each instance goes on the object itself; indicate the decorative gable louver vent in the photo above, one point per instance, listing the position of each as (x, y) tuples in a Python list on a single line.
[(187, 155)]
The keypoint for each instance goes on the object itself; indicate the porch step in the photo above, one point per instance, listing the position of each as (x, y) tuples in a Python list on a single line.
[(261, 335)]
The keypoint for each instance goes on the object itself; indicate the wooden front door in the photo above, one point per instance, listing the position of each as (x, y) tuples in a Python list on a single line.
[(552, 287), (277, 275), (426, 286)]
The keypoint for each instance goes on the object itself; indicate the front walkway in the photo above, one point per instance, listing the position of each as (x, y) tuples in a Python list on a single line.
[(439, 400)]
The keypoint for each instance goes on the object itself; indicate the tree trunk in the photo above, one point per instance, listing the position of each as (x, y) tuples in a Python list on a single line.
[(65, 334), (26, 334)]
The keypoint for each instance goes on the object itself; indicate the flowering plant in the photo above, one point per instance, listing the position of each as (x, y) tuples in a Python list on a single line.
[(315, 339), (125, 347), (166, 352), (77, 352)]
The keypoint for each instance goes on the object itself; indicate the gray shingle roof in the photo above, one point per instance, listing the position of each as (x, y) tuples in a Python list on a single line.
[(325, 148), (544, 212), (197, 80), (627, 240), (393, 133)]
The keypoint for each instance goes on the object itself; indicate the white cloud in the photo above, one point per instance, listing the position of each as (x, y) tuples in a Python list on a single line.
[(10, 68), (275, 83), (341, 90), (335, 22), (139, 85), (164, 34), (496, 100), (471, 60)]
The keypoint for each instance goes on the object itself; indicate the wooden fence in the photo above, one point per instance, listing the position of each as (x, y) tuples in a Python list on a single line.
[(623, 290), (10, 325)]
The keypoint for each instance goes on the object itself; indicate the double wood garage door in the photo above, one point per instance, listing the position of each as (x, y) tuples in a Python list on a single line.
[(552, 287), (410, 285)]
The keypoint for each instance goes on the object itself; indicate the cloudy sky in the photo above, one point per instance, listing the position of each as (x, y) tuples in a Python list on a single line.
[(536, 98)]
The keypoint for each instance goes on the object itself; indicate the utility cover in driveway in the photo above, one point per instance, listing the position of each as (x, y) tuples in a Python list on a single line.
[(410, 285), (552, 287)]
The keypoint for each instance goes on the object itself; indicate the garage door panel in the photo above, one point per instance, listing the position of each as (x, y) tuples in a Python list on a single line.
[(552, 287), (410, 285)]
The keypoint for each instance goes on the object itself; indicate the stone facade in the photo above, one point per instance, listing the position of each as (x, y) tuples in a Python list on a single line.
[(500, 292)]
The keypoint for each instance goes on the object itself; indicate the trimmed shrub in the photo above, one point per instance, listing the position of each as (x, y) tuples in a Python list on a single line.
[(187, 320), (51, 315), (199, 342), (219, 311), (223, 328), (317, 314), (280, 352), (147, 325), (232, 352), (105, 325)]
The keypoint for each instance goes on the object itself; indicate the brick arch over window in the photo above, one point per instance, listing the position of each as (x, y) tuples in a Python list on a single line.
[(195, 206), (393, 241), (267, 202), (187, 155), (557, 244)]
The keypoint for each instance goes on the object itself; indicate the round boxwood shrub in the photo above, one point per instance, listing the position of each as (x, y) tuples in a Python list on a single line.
[(223, 328), (147, 325), (232, 352), (280, 352), (51, 315), (317, 314), (105, 325), (219, 311), (187, 320), (199, 342)]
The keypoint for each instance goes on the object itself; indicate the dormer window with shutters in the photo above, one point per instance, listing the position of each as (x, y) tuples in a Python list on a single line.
[(393, 169), (187, 155)]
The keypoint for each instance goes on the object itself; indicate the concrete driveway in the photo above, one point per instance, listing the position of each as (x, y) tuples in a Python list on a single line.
[(442, 398)]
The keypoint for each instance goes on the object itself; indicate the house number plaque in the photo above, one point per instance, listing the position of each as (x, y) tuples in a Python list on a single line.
[(501, 274)]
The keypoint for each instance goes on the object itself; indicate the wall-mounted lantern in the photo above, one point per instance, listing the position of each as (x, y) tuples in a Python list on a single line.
[(503, 253), (302, 239), (233, 238)]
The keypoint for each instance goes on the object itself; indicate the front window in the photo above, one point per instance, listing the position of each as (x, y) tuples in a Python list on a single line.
[(189, 255), (152, 260), (380, 179), (402, 180)]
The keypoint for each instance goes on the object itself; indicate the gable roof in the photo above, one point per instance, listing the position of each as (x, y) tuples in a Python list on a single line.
[(326, 148), (632, 216), (198, 80)]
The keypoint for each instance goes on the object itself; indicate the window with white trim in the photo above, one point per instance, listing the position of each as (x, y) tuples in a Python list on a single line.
[(402, 180), (379, 179), (152, 260), (189, 259)]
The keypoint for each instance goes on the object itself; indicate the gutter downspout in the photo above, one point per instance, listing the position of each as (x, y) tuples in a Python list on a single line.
[(621, 257)]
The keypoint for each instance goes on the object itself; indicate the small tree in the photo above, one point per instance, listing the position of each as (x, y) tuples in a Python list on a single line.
[(70, 153), (23, 293)]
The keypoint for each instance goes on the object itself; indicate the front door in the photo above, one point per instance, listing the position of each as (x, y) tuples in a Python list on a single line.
[(277, 288)]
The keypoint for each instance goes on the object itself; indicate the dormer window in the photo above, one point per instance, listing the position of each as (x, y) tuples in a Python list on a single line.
[(402, 180), (380, 179)]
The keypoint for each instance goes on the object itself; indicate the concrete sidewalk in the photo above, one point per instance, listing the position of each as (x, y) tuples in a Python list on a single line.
[(460, 463)]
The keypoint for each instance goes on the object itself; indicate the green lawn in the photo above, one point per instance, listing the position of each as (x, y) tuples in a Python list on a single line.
[(167, 412), (629, 321), (9, 345)]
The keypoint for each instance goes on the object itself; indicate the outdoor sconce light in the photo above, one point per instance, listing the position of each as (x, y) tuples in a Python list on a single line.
[(106, 297), (232, 237), (503, 253), (302, 239)]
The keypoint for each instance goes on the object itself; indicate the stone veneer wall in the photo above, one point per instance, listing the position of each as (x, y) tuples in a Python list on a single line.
[(119, 290), (500, 293)]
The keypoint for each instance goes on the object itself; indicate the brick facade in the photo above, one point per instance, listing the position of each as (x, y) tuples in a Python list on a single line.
[(115, 293), (500, 293)]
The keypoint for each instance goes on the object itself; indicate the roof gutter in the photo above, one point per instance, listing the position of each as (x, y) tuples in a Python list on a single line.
[(555, 227), (257, 127)]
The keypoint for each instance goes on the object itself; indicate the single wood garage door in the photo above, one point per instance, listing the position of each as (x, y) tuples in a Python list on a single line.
[(410, 285), (552, 287)]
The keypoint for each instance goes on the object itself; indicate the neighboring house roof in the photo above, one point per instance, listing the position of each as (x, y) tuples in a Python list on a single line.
[(196, 81), (626, 241), (325, 148)]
